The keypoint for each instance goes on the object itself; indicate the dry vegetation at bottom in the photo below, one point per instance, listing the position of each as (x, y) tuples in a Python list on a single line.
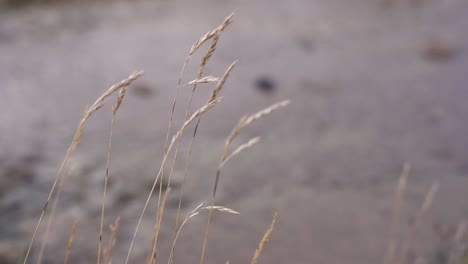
[(172, 143), (451, 251)]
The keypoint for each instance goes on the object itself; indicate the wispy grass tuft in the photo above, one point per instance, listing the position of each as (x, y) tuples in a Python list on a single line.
[(408, 244), (391, 256), (116, 107), (192, 214), (226, 155), (172, 145), (175, 137), (71, 150), (264, 241), (214, 36)]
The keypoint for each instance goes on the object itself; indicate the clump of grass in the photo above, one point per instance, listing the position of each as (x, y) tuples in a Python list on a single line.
[(227, 155), (214, 36), (406, 252), (172, 144), (398, 203), (120, 98), (99, 103)]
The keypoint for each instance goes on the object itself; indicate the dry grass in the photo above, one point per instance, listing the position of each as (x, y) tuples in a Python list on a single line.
[(70, 242), (120, 98), (264, 240), (407, 246), (398, 203), (192, 214), (173, 141), (244, 122), (112, 241), (214, 36), (71, 150), (172, 144)]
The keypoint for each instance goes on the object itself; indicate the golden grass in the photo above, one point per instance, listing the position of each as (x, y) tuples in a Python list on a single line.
[(70, 242), (120, 98), (244, 122), (178, 134), (214, 36), (193, 213), (172, 143), (71, 150), (214, 98), (264, 240)]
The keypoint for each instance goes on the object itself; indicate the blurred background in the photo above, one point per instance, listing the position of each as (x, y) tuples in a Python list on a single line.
[(373, 84)]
